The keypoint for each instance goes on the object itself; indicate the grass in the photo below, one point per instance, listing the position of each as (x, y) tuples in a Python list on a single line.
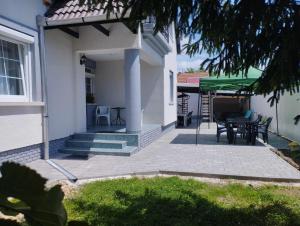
[(172, 201)]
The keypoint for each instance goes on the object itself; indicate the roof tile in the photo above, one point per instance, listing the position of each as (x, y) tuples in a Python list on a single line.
[(71, 9), (191, 78)]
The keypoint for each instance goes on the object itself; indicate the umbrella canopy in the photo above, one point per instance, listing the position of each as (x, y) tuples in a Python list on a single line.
[(231, 82)]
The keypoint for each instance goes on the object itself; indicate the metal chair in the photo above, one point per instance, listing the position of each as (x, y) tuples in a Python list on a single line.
[(102, 111), (221, 127), (264, 128), (241, 129)]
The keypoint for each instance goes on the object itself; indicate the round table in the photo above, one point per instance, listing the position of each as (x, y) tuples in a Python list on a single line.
[(119, 120)]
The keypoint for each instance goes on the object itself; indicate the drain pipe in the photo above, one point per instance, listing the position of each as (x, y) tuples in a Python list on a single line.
[(62, 170), (40, 20)]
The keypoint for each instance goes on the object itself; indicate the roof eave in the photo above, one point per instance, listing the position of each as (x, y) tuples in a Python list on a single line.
[(82, 20)]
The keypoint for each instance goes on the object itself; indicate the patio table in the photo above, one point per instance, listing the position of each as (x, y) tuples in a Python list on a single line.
[(239, 122), (118, 119)]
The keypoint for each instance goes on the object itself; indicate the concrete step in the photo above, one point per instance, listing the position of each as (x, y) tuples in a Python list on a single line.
[(132, 139), (111, 144), (127, 151)]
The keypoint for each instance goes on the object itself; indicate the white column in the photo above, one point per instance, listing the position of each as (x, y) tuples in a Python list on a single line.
[(79, 99), (132, 73)]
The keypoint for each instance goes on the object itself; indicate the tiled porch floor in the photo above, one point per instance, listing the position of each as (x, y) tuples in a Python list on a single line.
[(118, 128), (176, 151)]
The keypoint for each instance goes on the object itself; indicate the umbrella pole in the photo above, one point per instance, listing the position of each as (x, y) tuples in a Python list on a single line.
[(277, 117), (198, 118)]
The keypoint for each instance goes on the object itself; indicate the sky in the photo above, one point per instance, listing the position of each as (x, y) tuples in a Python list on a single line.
[(184, 61)]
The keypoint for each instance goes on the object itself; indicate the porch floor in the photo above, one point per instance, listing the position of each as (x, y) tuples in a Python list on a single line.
[(107, 129), (119, 128)]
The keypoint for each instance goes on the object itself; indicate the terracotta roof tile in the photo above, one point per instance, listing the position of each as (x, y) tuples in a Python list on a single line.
[(192, 78), (70, 9)]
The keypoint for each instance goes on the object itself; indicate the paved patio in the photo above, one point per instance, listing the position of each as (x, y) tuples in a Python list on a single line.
[(176, 151)]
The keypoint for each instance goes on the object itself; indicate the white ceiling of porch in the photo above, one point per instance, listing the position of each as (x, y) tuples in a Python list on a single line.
[(106, 55)]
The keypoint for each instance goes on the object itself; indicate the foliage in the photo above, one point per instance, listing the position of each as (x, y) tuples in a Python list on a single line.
[(297, 119), (172, 201), (90, 98), (190, 70), (236, 34), (22, 190)]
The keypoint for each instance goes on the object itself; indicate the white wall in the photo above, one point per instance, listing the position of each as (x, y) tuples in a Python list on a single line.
[(23, 12), (170, 110), (193, 103), (109, 85), (288, 108), (109, 89), (66, 108), (152, 92), (21, 126), (92, 40)]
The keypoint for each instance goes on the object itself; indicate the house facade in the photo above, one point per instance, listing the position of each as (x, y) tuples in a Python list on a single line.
[(132, 68)]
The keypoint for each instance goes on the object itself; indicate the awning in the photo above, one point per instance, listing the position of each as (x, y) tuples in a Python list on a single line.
[(230, 82)]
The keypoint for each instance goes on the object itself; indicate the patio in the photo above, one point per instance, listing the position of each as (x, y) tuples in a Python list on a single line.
[(177, 152)]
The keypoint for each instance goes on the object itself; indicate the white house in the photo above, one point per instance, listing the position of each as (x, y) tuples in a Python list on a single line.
[(44, 81)]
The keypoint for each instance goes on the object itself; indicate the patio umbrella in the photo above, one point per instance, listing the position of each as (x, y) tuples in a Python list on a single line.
[(231, 82)]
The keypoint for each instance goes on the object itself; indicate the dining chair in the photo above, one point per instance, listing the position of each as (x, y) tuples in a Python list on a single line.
[(102, 111), (241, 129), (221, 127), (264, 128)]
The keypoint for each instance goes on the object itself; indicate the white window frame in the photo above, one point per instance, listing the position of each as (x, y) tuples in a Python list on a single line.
[(20, 38), (171, 87)]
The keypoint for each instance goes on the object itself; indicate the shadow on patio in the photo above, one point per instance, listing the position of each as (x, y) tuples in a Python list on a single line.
[(208, 139)]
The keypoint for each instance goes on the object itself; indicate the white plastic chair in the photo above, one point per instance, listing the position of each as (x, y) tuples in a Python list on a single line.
[(102, 111)]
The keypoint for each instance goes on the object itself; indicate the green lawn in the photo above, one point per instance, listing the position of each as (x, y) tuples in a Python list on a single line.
[(172, 201)]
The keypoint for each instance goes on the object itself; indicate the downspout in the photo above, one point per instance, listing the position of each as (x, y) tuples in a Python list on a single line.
[(40, 23), (40, 20)]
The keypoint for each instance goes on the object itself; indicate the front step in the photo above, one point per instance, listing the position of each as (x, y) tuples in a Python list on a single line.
[(109, 144), (132, 139), (127, 151), (101, 144)]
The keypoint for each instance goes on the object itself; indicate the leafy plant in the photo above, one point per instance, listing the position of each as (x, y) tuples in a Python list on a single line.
[(23, 190), (90, 98)]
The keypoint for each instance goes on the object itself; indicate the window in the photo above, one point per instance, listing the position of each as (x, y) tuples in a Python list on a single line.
[(89, 86), (13, 68), (171, 87)]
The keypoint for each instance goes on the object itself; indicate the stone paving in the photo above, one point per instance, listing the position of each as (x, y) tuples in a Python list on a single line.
[(176, 151)]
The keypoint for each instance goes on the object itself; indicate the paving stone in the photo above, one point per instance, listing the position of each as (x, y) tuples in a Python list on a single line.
[(176, 151)]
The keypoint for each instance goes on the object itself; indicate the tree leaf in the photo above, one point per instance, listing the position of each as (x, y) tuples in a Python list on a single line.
[(77, 223), (43, 207), (4, 222)]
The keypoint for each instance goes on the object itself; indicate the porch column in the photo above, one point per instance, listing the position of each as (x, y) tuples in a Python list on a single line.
[(132, 73)]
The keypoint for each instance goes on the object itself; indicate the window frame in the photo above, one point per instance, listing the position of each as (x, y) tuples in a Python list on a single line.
[(171, 87), (19, 38), (92, 82)]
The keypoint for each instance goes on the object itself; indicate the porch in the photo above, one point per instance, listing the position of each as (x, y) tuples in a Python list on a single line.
[(119, 69)]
